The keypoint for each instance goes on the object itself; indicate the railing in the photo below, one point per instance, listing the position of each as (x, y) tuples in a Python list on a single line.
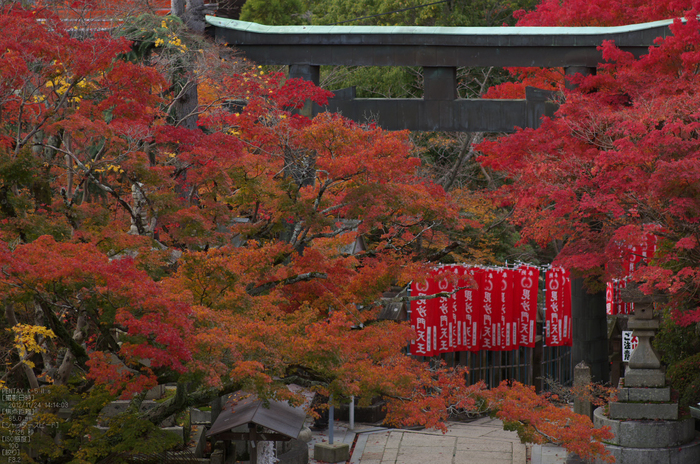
[(525, 365), (557, 365), (493, 367)]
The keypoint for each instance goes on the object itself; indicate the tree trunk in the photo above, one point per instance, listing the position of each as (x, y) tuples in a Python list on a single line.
[(184, 108), (194, 16), (69, 359), (43, 342), (177, 8)]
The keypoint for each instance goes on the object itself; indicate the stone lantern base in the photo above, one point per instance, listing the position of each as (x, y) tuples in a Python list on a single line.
[(651, 441)]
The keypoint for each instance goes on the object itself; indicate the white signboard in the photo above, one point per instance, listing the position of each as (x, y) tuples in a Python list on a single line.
[(629, 343)]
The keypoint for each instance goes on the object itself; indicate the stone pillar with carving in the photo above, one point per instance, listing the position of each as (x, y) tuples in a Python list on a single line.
[(644, 420)]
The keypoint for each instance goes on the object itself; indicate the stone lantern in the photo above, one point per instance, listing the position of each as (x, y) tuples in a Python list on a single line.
[(644, 420)]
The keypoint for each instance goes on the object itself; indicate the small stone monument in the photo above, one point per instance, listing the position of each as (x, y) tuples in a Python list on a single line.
[(582, 378), (644, 420)]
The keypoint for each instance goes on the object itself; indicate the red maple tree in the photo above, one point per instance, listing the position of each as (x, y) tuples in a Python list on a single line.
[(618, 161), (580, 13)]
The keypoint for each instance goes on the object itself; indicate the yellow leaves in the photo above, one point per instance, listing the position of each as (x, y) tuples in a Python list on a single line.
[(25, 340), (176, 42), (172, 40), (110, 167), (61, 85), (83, 84), (64, 83)]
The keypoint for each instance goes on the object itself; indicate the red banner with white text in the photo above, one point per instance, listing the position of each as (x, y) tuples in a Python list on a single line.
[(422, 311), (557, 307), (473, 308), (488, 320), (632, 257), (526, 289), (488, 309)]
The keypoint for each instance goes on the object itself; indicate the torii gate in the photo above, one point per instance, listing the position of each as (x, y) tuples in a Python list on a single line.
[(440, 50)]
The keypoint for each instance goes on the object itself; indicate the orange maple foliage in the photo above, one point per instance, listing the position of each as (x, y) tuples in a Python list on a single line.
[(539, 421), (213, 257)]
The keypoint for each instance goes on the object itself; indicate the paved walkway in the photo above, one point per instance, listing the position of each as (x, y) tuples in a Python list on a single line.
[(482, 441)]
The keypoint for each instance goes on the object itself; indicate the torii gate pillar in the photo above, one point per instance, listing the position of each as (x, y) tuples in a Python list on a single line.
[(589, 324)]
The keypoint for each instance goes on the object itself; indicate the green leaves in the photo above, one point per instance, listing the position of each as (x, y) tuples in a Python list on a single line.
[(274, 12)]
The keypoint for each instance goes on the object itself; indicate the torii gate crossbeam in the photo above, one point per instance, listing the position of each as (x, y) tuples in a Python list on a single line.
[(439, 50)]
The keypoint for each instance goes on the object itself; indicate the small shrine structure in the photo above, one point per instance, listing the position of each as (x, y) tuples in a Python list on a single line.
[(274, 421)]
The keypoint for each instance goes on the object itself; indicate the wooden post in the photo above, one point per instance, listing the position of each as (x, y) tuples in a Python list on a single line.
[(352, 412), (253, 443), (537, 361), (331, 420)]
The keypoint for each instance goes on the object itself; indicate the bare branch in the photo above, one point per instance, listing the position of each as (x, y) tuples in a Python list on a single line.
[(260, 289), (406, 299)]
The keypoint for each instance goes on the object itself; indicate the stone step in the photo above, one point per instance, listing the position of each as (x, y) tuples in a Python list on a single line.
[(644, 394), (639, 411), (644, 378), (684, 454), (647, 433)]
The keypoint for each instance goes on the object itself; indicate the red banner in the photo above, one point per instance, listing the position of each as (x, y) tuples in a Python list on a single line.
[(445, 309), (566, 335), (558, 308), (622, 307), (473, 310), (526, 289), (422, 312), (444, 313), (458, 315), (488, 321), (632, 257), (613, 298), (503, 315), (497, 312)]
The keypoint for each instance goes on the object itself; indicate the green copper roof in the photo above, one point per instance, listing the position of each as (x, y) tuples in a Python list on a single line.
[(481, 31)]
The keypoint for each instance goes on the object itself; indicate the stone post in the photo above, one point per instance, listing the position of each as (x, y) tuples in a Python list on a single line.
[(216, 406), (582, 378)]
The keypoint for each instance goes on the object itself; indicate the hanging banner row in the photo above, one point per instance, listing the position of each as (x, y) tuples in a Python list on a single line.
[(632, 258), (497, 312)]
